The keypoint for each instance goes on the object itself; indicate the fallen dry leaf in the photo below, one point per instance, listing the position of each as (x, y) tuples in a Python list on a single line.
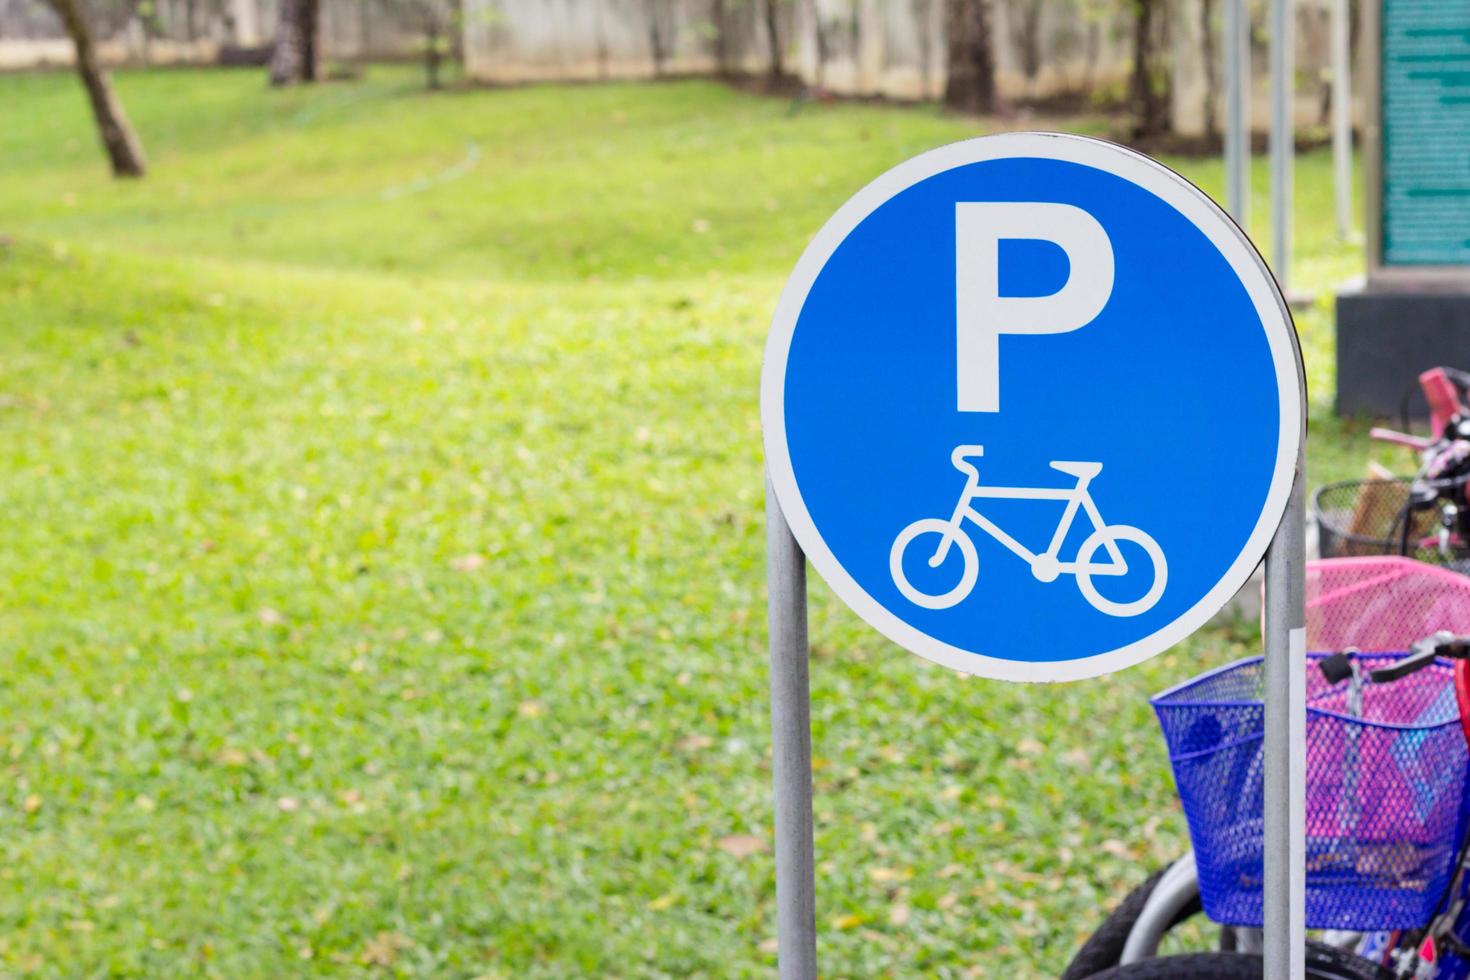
[(468, 563), (741, 845), (383, 949), (693, 743), (531, 709)]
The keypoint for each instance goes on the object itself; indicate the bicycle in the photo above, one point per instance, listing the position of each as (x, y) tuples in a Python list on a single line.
[(1045, 566), (1375, 604), (1426, 516)]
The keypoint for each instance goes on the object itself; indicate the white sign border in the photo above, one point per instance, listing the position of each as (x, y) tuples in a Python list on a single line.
[(1175, 191)]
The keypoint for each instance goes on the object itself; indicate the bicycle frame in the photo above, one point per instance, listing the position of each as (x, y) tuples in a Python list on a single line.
[(1076, 498)]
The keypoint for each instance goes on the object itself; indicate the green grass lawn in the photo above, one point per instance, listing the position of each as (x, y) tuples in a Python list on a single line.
[(383, 568)]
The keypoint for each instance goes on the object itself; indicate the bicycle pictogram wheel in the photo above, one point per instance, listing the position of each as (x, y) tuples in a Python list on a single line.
[(1114, 534), (921, 529)]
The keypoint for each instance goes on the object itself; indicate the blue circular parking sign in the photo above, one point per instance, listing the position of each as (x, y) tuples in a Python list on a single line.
[(1032, 406)]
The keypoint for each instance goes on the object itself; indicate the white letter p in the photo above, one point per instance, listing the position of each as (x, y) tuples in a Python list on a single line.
[(984, 314)]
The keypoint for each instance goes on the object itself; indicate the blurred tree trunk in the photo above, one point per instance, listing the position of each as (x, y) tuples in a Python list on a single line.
[(1149, 102), (654, 11), (1212, 73), (1026, 28), (773, 35), (819, 33), (455, 26), (971, 56), (311, 21), (294, 56), (124, 151), (922, 10), (719, 16), (286, 53), (432, 54)]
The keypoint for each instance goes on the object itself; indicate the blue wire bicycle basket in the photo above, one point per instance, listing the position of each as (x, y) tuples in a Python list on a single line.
[(1386, 792)]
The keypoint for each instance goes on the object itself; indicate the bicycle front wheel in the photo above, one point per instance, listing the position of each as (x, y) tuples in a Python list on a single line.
[(1323, 963), (1104, 948)]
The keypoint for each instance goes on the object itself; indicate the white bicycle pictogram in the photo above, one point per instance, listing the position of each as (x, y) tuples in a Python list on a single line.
[(1046, 566)]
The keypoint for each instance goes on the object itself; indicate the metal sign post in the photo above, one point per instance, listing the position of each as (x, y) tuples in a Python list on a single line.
[(982, 354), (1285, 635), (1284, 881), (1283, 135), (1342, 119), (1238, 110), (791, 748)]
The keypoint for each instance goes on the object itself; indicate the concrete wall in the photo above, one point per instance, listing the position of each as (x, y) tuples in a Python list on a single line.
[(873, 47), (192, 31), (518, 40), (22, 54), (892, 48)]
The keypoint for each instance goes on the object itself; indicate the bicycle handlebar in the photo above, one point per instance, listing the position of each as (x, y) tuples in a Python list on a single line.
[(1338, 667), (1423, 653), (1399, 438), (1411, 664)]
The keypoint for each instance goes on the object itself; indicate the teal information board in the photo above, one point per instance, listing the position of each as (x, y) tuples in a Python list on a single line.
[(1426, 132)]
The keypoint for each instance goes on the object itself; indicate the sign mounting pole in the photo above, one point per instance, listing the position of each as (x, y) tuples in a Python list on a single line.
[(791, 749), (1284, 884), (1237, 110), (1283, 136), (1342, 122), (1284, 887)]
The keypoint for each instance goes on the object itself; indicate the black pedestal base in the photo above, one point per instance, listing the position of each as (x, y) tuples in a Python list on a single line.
[(1385, 340)]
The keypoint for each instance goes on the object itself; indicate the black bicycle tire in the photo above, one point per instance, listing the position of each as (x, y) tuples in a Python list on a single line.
[(1323, 963), (1104, 948)]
